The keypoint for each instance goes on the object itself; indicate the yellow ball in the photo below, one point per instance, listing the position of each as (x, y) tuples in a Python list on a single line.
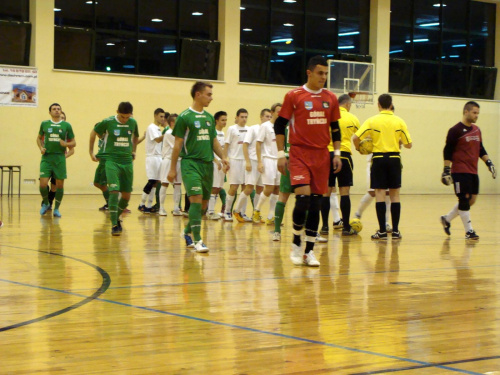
[(366, 146), (356, 225)]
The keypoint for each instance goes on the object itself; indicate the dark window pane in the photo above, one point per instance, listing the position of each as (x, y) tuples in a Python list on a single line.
[(287, 69), (14, 10), (158, 17), (287, 26), (425, 78), (321, 32), (455, 14), (482, 38), (426, 12), (198, 19), (255, 4), (254, 26), (254, 63), (158, 56), (426, 44), (399, 46), (116, 15), (199, 59), (454, 80), (400, 76), (74, 49), (401, 13), (14, 43), (76, 13), (454, 47), (353, 26), (482, 82), (115, 53), (297, 6)]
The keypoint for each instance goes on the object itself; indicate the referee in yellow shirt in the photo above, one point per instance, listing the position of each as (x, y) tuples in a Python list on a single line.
[(387, 132)]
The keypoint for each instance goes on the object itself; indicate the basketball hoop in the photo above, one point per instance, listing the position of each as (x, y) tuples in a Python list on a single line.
[(361, 98)]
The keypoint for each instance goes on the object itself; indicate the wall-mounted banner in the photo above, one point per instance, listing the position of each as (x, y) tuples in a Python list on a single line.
[(18, 86)]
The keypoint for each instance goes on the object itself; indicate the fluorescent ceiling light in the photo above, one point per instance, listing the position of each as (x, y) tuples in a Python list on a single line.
[(290, 1), (284, 40), (156, 20), (129, 66), (197, 14), (108, 68), (288, 24), (346, 47), (247, 30), (459, 45), (395, 51), (438, 5), (417, 41), (169, 51), (454, 56), (429, 24), (242, 8), (143, 41), (91, 2), (331, 19), (286, 53), (57, 10), (110, 44), (349, 33)]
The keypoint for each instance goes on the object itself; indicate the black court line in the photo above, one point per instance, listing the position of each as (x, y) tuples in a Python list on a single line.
[(106, 281), (428, 366)]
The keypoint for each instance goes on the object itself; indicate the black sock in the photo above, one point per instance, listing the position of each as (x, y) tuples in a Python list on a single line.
[(345, 208), (396, 214), (52, 195), (186, 203), (325, 210), (380, 207)]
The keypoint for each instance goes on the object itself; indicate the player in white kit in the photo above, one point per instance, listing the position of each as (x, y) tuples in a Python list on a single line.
[(219, 174)]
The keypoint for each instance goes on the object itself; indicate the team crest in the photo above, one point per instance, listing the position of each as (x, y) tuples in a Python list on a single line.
[(208, 123), (308, 105), (50, 130), (60, 130), (116, 132), (197, 124), (326, 105), (129, 132)]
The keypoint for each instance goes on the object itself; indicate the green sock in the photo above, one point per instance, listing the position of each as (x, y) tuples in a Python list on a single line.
[(59, 197), (195, 220), (279, 212), (45, 195), (222, 195), (122, 205), (105, 194), (113, 207), (252, 196)]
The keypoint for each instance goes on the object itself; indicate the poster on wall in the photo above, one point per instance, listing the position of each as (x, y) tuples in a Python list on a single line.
[(18, 86)]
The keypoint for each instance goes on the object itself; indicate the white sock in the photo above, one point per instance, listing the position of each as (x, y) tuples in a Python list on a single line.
[(272, 205), (242, 200), (262, 201), (211, 204), (244, 205), (334, 207), (452, 214), (144, 198), (163, 195), (177, 196), (387, 208), (151, 197), (363, 204), (229, 203), (465, 216)]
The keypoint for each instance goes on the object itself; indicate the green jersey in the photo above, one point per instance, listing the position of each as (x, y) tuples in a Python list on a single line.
[(118, 139), (198, 131), (52, 132)]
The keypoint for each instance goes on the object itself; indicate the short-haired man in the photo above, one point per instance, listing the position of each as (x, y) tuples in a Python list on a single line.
[(53, 138), (313, 113), (120, 134), (153, 160), (387, 132), (464, 146), (196, 141)]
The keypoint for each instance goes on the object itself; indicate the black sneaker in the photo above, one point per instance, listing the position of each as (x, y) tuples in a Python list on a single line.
[(115, 231), (338, 224), (324, 230), (350, 232), (471, 235), (104, 208), (153, 210), (147, 210), (379, 235), (141, 208), (120, 225), (396, 235), (446, 225)]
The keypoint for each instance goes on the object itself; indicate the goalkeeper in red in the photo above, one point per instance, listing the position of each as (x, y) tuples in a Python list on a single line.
[(463, 148), (312, 114)]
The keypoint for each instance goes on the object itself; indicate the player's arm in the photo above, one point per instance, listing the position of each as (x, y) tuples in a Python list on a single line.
[(279, 129), (159, 139), (484, 157), (71, 143), (141, 139), (258, 151), (449, 147), (93, 135), (336, 137), (71, 151), (248, 164), (175, 156), (219, 151), (39, 144)]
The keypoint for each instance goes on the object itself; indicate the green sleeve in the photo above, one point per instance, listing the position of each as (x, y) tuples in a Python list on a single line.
[(136, 131), (100, 127), (40, 132), (70, 134), (180, 128)]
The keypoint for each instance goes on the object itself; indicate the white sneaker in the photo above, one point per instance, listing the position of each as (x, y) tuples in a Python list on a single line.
[(213, 216), (321, 239), (177, 213), (162, 212), (296, 255), (228, 216), (200, 247), (310, 260), (388, 228), (276, 236)]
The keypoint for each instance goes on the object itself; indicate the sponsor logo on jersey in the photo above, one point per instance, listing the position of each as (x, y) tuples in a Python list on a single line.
[(308, 105), (472, 138), (299, 177), (129, 132), (116, 132), (197, 124), (49, 130), (60, 130), (208, 123), (326, 105)]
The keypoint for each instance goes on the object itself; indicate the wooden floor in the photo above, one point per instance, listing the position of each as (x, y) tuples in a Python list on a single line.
[(74, 300)]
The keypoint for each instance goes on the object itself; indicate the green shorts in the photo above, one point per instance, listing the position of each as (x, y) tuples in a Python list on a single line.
[(197, 177), (285, 184), (120, 177), (100, 174), (53, 165)]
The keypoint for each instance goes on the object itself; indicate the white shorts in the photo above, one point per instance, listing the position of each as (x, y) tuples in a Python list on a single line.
[(253, 177), (153, 167), (271, 175), (165, 168), (218, 177), (236, 173)]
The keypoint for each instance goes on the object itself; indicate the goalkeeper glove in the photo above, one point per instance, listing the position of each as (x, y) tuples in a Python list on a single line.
[(446, 176)]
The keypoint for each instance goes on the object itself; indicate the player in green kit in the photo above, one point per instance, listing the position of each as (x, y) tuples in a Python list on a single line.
[(196, 141), (100, 180), (53, 138), (120, 134)]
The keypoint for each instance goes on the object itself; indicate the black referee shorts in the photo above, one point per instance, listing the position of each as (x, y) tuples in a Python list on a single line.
[(344, 177), (465, 183), (385, 172)]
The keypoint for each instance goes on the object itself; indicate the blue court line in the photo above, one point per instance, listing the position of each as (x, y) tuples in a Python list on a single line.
[(254, 330)]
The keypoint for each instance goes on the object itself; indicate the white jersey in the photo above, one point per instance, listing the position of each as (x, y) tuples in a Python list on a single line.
[(267, 136), (250, 138), (220, 138), (153, 148), (168, 144), (234, 140)]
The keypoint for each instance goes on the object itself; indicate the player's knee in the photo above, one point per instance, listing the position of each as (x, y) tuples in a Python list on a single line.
[(149, 186), (302, 202), (463, 203)]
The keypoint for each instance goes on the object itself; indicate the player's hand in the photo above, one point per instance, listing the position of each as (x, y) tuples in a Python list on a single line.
[(446, 176), (225, 165), (337, 164), (248, 167), (282, 165), (92, 156), (133, 155), (42, 150), (63, 143), (218, 163), (260, 167), (491, 167), (171, 176)]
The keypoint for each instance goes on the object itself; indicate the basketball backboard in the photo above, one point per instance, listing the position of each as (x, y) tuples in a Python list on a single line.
[(348, 76)]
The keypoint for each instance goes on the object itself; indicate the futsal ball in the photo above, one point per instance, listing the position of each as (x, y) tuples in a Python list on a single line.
[(356, 225), (366, 146)]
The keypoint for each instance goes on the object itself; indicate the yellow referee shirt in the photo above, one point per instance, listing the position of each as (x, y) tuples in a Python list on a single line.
[(386, 130), (348, 124)]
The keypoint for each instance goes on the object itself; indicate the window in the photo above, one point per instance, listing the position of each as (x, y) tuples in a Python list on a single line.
[(279, 36), (150, 37), (442, 47), (15, 30)]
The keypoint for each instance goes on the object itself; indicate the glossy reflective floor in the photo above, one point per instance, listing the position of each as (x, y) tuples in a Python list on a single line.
[(74, 300)]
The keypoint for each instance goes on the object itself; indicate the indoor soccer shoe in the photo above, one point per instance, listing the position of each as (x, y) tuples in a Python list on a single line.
[(446, 225), (188, 239), (338, 224), (177, 213), (256, 218), (246, 218), (141, 207), (471, 235), (310, 260), (56, 212), (44, 209), (200, 247), (162, 212), (115, 231), (296, 255), (324, 230), (396, 235), (350, 232), (228, 216), (119, 225), (320, 239), (276, 236), (104, 208), (213, 216), (379, 235), (388, 228), (238, 217)]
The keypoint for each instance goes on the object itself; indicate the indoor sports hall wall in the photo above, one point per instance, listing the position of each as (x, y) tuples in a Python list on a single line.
[(89, 97)]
